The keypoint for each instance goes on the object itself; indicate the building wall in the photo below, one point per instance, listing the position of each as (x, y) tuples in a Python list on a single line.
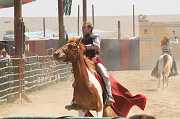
[(152, 30)]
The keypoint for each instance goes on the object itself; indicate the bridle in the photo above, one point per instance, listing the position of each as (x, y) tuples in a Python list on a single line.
[(68, 52)]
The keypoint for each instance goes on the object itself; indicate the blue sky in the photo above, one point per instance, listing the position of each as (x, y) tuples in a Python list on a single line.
[(102, 8)]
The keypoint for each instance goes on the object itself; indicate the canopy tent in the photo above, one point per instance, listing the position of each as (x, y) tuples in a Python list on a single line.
[(64, 7), (9, 3)]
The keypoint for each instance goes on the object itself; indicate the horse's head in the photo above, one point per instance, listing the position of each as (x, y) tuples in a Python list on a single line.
[(69, 52), (164, 40)]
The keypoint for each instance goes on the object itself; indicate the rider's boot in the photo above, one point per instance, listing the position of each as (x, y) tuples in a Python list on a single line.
[(174, 71)]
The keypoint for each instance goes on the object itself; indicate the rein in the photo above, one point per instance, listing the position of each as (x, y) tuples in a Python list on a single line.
[(78, 61)]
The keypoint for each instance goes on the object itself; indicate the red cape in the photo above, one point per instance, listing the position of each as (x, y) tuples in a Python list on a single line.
[(124, 100)]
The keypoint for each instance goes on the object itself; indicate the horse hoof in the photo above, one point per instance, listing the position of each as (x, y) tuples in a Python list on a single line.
[(68, 107), (73, 106)]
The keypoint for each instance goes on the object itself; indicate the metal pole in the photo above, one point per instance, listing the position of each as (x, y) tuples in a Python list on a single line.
[(133, 22), (78, 20), (93, 15), (84, 11), (17, 27), (61, 20), (119, 30), (44, 27)]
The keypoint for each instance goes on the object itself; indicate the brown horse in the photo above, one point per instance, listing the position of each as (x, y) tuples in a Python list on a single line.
[(87, 89)]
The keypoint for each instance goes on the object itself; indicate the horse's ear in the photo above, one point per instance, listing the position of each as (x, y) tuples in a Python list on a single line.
[(72, 39), (79, 41)]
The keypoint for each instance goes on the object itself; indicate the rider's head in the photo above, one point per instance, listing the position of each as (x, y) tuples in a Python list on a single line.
[(164, 40), (87, 28)]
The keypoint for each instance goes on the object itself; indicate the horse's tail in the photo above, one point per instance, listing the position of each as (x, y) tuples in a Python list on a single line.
[(166, 64), (165, 60)]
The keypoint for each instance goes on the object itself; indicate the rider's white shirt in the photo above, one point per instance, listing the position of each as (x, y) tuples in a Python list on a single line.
[(174, 40)]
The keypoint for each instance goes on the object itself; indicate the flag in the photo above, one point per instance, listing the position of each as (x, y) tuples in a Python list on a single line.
[(67, 7)]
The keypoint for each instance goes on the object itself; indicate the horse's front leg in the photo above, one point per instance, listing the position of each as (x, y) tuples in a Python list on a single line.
[(99, 114), (82, 113), (167, 81), (163, 81)]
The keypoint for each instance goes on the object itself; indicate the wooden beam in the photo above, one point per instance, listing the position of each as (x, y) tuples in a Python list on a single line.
[(44, 27), (61, 21), (93, 15), (17, 27), (78, 20), (119, 30), (133, 22), (84, 11)]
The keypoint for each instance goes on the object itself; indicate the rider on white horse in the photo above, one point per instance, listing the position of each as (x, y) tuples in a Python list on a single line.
[(92, 45), (165, 47)]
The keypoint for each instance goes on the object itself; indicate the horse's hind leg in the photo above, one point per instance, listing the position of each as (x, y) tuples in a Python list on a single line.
[(159, 79), (167, 80), (163, 80)]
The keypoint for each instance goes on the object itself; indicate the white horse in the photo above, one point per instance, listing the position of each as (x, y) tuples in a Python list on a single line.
[(165, 62)]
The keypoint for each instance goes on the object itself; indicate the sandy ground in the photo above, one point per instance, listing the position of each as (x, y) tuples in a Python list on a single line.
[(50, 101)]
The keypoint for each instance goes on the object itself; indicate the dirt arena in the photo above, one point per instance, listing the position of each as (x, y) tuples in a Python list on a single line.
[(50, 101)]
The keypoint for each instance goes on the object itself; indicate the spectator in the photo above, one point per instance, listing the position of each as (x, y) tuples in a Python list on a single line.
[(5, 54)]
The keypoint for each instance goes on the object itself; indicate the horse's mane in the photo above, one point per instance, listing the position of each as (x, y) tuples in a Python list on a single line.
[(76, 40), (164, 40)]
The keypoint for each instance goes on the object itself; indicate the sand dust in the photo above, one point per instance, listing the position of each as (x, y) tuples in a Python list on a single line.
[(50, 101)]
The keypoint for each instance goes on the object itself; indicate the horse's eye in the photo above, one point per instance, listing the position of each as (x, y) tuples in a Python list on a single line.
[(71, 46)]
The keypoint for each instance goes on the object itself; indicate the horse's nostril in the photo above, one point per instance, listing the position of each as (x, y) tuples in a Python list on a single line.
[(55, 53), (62, 55)]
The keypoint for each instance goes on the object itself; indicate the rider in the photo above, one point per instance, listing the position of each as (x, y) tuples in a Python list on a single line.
[(92, 46), (165, 46)]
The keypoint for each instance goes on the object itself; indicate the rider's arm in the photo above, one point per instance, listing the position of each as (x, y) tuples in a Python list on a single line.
[(174, 40), (95, 46)]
